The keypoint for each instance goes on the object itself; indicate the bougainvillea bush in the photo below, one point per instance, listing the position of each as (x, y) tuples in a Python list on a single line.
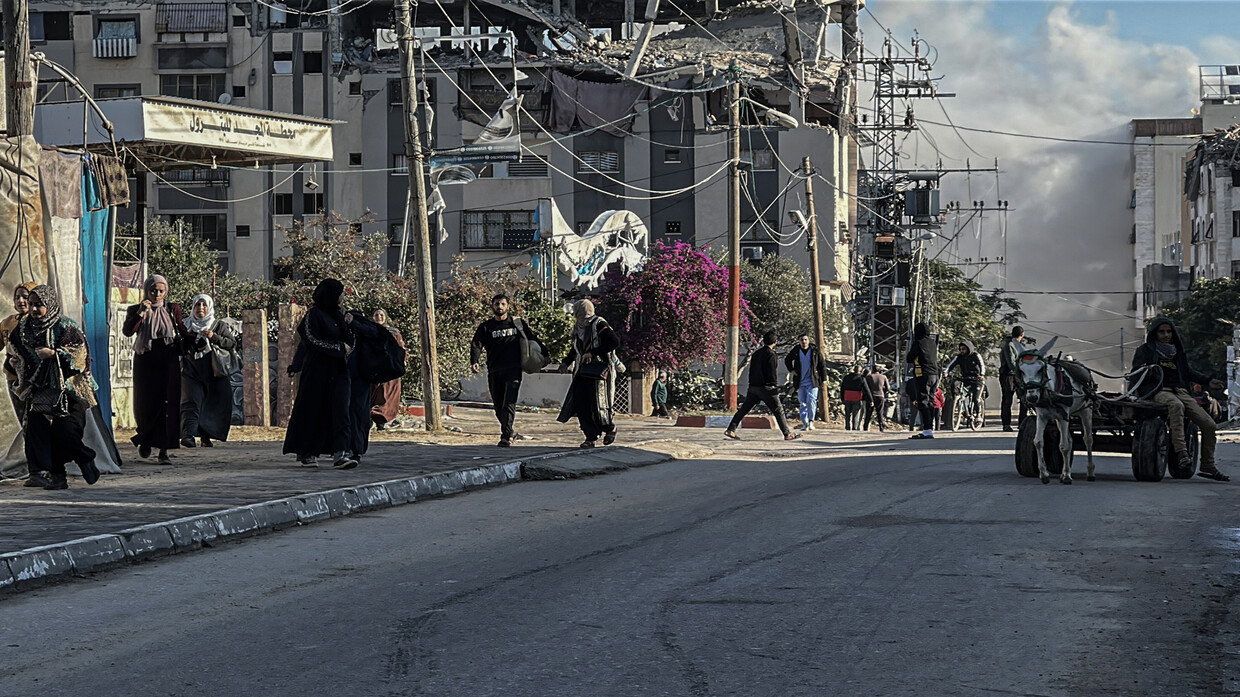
[(672, 313)]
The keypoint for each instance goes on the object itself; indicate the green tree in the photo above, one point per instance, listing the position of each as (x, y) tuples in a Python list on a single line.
[(192, 267), (778, 292), (1205, 320), (963, 312)]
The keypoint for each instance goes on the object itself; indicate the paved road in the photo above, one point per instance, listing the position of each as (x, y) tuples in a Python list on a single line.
[(887, 568)]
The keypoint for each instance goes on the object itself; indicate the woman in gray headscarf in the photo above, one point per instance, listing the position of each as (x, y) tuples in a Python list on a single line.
[(206, 391), (590, 395), (159, 335), (53, 357)]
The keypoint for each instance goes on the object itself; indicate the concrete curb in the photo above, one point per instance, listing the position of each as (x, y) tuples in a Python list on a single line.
[(703, 421), (36, 566)]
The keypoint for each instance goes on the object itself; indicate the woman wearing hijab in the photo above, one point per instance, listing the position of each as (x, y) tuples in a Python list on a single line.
[(385, 396), (589, 399), (53, 356), (21, 305), (159, 334), (206, 395), (319, 423)]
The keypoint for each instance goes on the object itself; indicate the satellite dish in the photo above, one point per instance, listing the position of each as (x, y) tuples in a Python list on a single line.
[(224, 98)]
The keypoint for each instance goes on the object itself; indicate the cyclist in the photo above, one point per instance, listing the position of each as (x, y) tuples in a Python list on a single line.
[(972, 372), (1164, 348)]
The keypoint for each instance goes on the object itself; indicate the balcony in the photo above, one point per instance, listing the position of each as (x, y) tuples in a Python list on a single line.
[(116, 48)]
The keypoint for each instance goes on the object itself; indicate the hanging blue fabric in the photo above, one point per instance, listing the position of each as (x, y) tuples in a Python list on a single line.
[(95, 227)]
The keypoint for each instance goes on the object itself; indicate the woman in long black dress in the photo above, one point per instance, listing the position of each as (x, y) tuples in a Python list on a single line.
[(52, 354), (159, 334), (589, 399), (206, 398), (320, 423)]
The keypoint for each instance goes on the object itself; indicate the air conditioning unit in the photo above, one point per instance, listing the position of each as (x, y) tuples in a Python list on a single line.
[(751, 253)]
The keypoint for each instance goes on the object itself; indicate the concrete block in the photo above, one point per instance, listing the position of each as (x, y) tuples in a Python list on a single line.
[(193, 531), (449, 482), (273, 515), (235, 521), (764, 421), (512, 472), (337, 504), (400, 491), (147, 541), (352, 503), (6, 575), (310, 508), (38, 563), (371, 497), (91, 553), (427, 486)]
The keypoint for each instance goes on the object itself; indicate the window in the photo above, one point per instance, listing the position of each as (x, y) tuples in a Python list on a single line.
[(671, 156), (400, 164), (394, 232), (282, 63), (355, 88), (117, 91), (243, 231), (1235, 269), (126, 28), (395, 96), (191, 58), (312, 62), (672, 228), (598, 161), (312, 203), (1235, 223), (50, 26), (212, 228), (205, 87), (198, 175), (239, 21), (191, 17), (239, 91), (355, 159), (486, 229), (529, 166), (759, 160), (283, 204)]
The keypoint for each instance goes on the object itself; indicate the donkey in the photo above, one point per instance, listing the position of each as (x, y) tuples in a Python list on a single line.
[(1056, 389)]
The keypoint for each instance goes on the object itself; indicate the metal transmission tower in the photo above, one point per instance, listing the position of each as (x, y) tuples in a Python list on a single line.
[(885, 244)]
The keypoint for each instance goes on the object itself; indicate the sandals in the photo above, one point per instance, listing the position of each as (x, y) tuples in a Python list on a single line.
[(919, 436), (731, 434), (1214, 475), (792, 436)]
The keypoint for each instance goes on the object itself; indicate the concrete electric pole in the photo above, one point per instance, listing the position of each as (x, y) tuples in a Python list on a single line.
[(423, 273), (731, 357), (815, 276), (18, 72)]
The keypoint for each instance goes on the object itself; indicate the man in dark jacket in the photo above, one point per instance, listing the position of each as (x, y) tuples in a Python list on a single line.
[(1007, 377), (763, 387), (808, 371), (923, 362), (1163, 348), (854, 392), (501, 337), (879, 387), (972, 373)]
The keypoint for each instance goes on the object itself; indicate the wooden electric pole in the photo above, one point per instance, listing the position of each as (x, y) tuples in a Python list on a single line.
[(424, 275), (815, 276), (18, 72), (731, 356)]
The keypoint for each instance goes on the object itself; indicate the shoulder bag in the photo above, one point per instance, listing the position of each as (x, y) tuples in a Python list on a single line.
[(52, 402), (533, 357)]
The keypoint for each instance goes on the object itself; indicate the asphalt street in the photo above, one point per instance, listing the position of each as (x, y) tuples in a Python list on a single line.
[(885, 568)]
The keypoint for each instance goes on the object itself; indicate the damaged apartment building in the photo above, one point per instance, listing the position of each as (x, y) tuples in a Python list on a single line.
[(618, 111)]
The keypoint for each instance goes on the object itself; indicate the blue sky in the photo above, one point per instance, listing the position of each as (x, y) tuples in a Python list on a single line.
[(1170, 21)]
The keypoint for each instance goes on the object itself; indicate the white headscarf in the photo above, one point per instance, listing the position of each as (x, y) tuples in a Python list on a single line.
[(194, 323)]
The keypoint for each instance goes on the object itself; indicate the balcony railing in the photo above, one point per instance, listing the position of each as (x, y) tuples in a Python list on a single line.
[(116, 48)]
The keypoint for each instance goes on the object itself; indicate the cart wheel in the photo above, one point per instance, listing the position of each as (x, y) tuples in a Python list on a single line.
[(1193, 438), (1150, 450), (1027, 453)]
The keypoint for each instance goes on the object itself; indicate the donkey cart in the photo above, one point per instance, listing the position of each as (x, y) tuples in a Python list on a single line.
[(1121, 424)]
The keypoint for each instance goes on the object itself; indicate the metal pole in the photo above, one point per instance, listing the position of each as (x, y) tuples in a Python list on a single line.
[(731, 357), (423, 274), (815, 275), (18, 72)]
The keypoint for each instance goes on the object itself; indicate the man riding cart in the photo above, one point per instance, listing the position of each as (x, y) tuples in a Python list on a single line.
[(1167, 382)]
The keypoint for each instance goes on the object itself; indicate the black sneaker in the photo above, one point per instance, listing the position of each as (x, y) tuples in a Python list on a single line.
[(144, 451), (586, 444), (347, 462), (206, 442), (90, 472), (57, 482), (610, 437), (504, 443), (189, 442), (36, 479)]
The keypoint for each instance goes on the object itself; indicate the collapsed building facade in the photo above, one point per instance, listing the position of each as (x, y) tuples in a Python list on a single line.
[(617, 111)]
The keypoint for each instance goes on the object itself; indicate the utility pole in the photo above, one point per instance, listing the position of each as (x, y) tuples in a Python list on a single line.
[(18, 72), (730, 363), (815, 276), (423, 274)]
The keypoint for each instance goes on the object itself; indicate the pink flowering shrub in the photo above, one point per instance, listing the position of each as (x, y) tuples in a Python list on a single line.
[(674, 312)]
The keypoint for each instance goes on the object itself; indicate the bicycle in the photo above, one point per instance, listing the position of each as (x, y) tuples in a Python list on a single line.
[(966, 406)]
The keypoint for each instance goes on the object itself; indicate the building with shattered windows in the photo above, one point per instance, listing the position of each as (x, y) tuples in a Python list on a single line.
[(603, 125)]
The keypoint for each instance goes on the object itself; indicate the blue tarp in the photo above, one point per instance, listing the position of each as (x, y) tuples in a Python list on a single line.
[(96, 228)]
